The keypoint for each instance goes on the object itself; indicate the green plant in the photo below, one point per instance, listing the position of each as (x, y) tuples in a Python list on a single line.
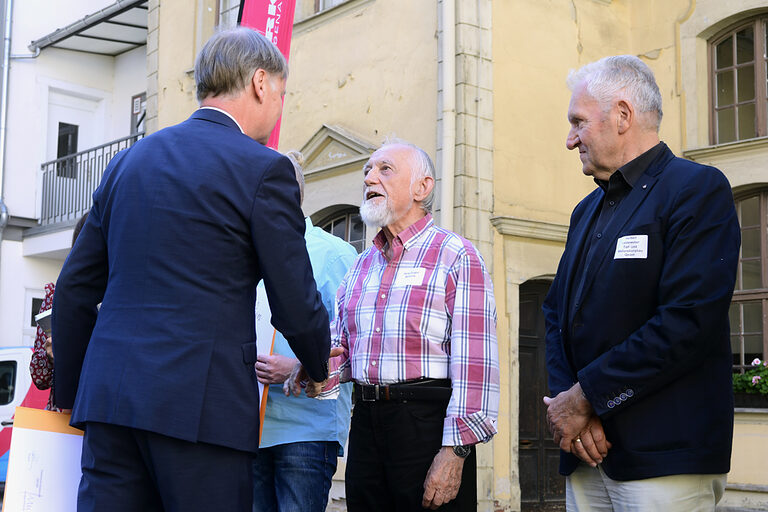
[(754, 380)]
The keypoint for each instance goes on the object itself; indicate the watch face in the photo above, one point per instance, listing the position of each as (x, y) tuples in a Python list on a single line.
[(462, 451)]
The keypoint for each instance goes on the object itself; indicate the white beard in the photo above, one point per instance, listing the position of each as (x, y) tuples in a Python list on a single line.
[(376, 213)]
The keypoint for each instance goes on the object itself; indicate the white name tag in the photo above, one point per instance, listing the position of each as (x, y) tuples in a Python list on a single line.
[(632, 247), (410, 277)]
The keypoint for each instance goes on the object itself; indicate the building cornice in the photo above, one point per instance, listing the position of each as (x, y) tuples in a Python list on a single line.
[(526, 228), (327, 15), (730, 148)]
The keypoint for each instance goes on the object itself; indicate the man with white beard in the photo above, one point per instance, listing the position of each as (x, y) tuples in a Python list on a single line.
[(417, 320)]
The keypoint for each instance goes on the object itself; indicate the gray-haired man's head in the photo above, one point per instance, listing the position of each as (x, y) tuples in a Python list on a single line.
[(227, 62), (608, 77)]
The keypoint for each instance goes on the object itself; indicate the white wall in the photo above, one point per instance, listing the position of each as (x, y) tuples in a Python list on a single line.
[(106, 82), (42, 91), (130, 80), (21, 279)]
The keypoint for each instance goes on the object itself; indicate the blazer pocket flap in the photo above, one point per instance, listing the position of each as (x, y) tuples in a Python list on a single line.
[(249, 353)]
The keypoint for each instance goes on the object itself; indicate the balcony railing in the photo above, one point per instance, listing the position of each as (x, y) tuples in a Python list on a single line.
[(68, 182)]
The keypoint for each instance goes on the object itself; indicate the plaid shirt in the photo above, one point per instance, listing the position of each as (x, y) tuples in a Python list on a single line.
[(427, 313)]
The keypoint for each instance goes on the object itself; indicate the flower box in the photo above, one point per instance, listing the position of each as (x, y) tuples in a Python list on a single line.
[(750, 400)]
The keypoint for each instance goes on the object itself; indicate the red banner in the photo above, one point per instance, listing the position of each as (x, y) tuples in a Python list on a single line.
[(274, 19)]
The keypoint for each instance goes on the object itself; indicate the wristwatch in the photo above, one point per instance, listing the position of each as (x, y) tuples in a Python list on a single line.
[(462, 451)]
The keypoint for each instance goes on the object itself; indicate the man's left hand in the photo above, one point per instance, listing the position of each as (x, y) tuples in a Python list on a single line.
[(568, 414), (443, 479)]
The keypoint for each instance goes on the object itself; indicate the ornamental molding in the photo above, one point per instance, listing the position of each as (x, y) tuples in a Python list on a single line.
[(526, 228), (731, 148), (332, 149)]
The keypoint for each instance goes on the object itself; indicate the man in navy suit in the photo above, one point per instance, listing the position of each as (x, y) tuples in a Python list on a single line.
[(638, 348), (184, 225)]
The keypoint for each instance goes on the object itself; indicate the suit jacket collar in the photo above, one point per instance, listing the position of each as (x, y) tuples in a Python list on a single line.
[(215, 116), (607, 243)]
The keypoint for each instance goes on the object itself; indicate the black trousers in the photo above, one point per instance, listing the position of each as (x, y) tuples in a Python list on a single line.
[(391, 447), (129, 470)]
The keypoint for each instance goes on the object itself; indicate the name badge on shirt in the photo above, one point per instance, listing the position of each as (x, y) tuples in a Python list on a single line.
[(410, 277), (632, 247)]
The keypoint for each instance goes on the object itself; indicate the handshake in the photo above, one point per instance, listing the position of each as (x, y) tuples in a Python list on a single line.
[(276, 369)]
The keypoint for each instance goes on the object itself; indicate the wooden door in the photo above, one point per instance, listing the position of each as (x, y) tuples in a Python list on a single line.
[(542, 488)]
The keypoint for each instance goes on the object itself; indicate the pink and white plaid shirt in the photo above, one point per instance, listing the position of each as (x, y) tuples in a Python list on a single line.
[(427, 313)]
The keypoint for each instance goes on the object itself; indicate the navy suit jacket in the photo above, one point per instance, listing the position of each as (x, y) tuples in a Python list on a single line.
[(184, 225), (648, 337)]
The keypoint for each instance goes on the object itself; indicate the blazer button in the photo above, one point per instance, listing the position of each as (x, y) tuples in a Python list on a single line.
[(611, 404), (630, 393), (617, 400), (623, 396)]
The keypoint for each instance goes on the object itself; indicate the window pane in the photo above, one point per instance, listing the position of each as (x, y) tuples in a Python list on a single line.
[(359, 246), (735, 319), (750, 211), (753, 317), (726, 131), (357, 229), (745, 45), (340, 228), (724, 54), (725, 88), (736, 349), (750, 243), (750, 275), (7, 381), (747, 121), (746, 83), (753, 347)]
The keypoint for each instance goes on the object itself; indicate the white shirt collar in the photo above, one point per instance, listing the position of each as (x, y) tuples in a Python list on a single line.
[(228, 115)]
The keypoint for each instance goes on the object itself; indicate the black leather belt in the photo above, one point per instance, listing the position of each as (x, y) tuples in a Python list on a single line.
[(424, 390)]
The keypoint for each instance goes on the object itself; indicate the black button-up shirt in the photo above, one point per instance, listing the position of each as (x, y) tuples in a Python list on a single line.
[(616, 189)]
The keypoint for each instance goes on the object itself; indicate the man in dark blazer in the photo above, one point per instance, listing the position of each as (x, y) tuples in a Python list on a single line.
[(638, 349), (184, 225)]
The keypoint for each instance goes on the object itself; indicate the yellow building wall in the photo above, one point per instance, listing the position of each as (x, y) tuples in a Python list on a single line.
[(181, 29), (537, 181), (371, 67), (356, 71)]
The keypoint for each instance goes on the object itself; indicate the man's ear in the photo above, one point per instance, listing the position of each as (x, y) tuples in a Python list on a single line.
[(259, 83), (423, 187), (625, 116)]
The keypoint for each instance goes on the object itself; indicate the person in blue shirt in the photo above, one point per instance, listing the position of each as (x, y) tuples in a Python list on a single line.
[(302, 437)]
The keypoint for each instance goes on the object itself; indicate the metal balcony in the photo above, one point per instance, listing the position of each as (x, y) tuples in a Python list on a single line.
[(68, 182)]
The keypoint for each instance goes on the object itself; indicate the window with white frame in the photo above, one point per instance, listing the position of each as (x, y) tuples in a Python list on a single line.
[(749, 308), (738, 70), (348, 226)]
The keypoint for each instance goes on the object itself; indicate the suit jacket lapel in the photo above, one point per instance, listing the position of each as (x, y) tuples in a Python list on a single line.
[(579, 236), (634, 199)]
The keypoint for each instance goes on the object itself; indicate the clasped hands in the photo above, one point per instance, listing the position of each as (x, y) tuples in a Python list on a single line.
[(576, 427)]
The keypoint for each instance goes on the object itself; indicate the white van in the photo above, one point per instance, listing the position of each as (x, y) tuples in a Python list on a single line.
[(16, 389)]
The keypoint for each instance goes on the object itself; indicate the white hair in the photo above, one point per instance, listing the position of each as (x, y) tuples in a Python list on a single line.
[(424, 167), (609, 76)]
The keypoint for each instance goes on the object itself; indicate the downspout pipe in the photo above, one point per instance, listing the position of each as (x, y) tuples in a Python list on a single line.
[(448, 139), (4, 113)]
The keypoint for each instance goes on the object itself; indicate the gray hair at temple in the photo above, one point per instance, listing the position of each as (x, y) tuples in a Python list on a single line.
[(609, 76), (227, 62), (297, 159), (424, 167)]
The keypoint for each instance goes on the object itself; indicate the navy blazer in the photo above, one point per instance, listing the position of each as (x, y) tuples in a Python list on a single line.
[(648, 337), (184, 225)]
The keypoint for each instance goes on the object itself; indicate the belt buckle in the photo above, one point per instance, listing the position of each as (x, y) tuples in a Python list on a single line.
[(369, 393)]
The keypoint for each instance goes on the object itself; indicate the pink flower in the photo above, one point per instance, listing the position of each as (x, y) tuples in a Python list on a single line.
[(756, 362), (755, 380)]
